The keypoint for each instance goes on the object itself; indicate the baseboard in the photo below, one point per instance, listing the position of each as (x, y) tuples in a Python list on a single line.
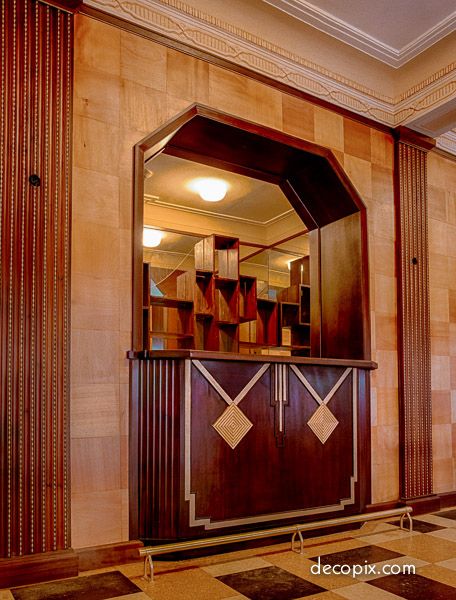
[(96, 557), (35, 568), (383, 506), (447, 499), (426, 504)]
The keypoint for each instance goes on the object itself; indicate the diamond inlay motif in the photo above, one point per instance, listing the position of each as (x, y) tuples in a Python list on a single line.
[(323, 423), (232, 425)]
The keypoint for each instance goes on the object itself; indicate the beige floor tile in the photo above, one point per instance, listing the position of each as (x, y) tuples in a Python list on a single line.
[(301, 566), (402, 561), (321, 596), (435, 520), (195, 584), (335, 546), (446, 534), (423, 547), (6, 595), (387, 536), (364, 591), (373, 527), (448, 564), (236, 566), (439, 573)]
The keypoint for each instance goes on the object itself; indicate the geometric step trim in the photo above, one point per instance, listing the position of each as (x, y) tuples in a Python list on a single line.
[(322, 423), (232, 425)]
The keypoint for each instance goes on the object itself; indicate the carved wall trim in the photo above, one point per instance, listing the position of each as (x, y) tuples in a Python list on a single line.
[(413, 317), (177, 20), (35, 181)]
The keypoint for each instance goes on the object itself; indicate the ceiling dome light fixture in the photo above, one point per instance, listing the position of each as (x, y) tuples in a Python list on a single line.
[(210, 189), (152, 237)]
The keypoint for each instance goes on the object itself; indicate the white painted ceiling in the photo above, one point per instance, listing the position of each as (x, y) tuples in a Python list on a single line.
[(394, 31)]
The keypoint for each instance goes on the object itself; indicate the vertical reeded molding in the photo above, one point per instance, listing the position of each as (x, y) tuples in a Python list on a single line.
[(414, 342), (35, 139)]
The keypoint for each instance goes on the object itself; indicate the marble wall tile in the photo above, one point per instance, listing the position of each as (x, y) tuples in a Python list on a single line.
[(143, 61), (329, 129), (186, 77), (244, 97), (95, 410), (103, 456), (97, 95), (298, 117), (96, 46), (357, 139), (96, 518)]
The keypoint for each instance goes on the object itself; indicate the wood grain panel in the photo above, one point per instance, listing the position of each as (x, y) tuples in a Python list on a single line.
[(413, 316), (35, 148), (188, 480)]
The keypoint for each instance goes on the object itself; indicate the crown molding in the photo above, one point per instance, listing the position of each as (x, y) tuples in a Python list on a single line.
[(153, 200), (187, 25), (447, 142), (343, 31)]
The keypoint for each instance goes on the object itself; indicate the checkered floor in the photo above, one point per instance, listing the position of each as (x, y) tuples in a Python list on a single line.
[(276, 573)]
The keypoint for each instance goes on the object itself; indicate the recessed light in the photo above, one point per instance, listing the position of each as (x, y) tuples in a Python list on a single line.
[(152, 237), (210, 189)]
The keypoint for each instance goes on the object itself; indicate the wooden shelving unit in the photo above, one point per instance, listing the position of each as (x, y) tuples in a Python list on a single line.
[(217, 309)]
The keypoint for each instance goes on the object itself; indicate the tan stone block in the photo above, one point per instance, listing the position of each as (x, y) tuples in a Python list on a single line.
[(385, 332), (440, 338), (437, 203), (383, 221), (298, 117), (438, 237), (187, 77), (439, 304), (95, 250), (142, 61), (96, 95), (443, 476), (441, 407), (97, 45), (244, 97), (95, 197), (125, 519), (95, 145), (124, 393), (387, 369), (96, 518), (94, 356), (383, 185), (95, 410), (382, 149), (451, 206), (440, 372), (387, 407), (94, 302), (438, 271), (385, 481), (141, 108), (95, 464), (357, 139), (385, 295), (360, 173), (329, 129), (126, 202), (384, 257), (124, 461)]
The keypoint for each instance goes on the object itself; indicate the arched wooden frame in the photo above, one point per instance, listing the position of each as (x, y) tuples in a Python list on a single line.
[(317, 188)]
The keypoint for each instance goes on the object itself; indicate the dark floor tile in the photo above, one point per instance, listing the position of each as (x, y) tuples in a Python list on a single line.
[(270, 583), (93, 587), (447, 514), (358, 556), (421, 526), (415, 587)]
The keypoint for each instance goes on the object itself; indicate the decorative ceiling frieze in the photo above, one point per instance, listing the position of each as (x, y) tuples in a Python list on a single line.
[(176, 19)]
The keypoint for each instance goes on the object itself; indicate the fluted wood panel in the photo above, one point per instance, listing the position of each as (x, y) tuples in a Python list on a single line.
[(35, 108), (414, 328), (154, 448)]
